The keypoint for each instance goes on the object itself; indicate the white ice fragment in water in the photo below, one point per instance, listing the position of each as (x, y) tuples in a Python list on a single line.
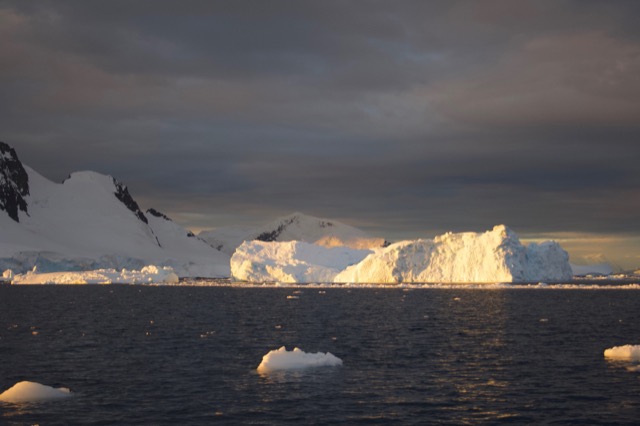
[(281, 359), (625, 353), (33, 392)]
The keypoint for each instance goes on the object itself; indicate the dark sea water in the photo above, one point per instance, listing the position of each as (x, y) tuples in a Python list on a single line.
[(188, 355)]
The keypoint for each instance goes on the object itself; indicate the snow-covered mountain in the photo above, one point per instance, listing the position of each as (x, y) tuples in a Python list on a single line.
[(89, 221), (294, 227)]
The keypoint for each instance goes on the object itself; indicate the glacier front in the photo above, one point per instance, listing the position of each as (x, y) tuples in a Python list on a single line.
[(492, 256)]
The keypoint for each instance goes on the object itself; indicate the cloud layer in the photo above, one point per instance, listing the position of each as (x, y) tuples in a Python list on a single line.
[(407, 119)]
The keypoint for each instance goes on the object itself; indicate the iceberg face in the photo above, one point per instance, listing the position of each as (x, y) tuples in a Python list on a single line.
[(291, 262), (492, 256), (547, 261)]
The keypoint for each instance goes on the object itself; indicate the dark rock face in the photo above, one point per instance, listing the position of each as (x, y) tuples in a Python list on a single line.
[(122, 193), (14, 183), (269, 236), (156, 213)]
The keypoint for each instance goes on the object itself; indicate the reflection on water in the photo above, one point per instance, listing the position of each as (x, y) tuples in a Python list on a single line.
[(169, 355)]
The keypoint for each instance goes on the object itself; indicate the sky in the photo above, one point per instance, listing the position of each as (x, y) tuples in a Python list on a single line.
[(405, 118)]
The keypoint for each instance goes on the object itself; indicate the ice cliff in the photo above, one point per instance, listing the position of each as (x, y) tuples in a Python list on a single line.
[(291, 261), (492, 256)]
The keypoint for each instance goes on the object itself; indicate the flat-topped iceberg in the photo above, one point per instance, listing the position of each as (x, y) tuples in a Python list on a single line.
[(147, 275), (492, 256)]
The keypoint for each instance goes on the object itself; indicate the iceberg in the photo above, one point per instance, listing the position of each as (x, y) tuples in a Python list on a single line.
[(291, 262), (281, 359), (623, 353), (33, 392), (149, 274), (492, 256), (489, 257)]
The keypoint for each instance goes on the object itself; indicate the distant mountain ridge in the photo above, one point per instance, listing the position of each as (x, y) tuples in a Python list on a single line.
[(91, 220), (294, 227)]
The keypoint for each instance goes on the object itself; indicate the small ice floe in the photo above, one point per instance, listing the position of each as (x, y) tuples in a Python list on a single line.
[(281, 359), (33, 392), (623, 353)]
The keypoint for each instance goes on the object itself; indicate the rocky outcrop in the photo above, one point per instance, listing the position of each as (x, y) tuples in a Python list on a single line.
[(122, 193), (14, 183)]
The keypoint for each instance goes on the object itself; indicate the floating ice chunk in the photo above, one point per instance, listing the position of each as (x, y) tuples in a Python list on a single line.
[(33, 392), (624, 353), (8, 274), (281, 359)]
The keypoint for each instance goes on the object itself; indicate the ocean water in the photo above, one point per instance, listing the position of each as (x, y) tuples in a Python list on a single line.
[(188, 355)]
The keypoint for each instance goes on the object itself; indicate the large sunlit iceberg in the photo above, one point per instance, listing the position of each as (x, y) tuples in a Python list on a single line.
[(492, 256), (282, 359), (147, 275), (33, 392)]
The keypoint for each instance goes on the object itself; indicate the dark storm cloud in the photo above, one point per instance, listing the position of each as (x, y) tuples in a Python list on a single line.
[(407, 118)]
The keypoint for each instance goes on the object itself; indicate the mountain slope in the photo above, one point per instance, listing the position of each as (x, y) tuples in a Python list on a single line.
[(89, 221), (294, 227)]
